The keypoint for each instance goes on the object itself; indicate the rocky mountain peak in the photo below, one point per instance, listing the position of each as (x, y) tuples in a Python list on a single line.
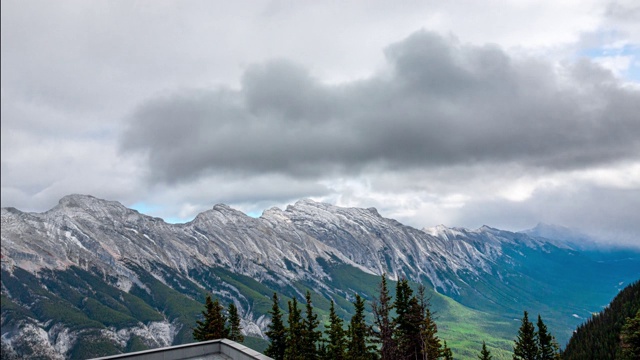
[(222, 213), (440, 231), (79, 200), (10, 210), (273, 213), (223, 208), (90, 206), (332, 250)]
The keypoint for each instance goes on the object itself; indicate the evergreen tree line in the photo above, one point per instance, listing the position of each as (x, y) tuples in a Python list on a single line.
[(534, 345), (614, 333), (403, 329), (218, 325), (410, 334)]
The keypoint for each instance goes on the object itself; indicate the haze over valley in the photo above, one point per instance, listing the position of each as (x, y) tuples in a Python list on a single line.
[(154, 152), (92, 277)]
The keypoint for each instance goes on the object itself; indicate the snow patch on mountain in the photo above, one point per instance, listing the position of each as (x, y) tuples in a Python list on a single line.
[(72, 234), (281, 246), (38, 340)]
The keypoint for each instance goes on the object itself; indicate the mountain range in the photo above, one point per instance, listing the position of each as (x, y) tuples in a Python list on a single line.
[(91, 277)]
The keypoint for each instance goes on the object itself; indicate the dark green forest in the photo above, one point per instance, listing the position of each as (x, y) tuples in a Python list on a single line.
[(614, 333)]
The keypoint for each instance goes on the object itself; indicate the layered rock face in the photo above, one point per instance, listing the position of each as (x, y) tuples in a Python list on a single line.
[(98, 257)]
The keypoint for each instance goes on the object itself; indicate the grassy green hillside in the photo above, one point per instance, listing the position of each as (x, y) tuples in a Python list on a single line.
[(463, 328), (87, 302)]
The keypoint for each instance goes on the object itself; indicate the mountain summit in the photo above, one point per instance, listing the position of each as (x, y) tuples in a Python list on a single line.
[(91, 271)]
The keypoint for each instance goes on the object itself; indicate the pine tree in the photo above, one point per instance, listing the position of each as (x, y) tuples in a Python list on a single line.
[(294, 335), (336, 346), (358, 335), (431, 343), (310, 334), (381, 308), (425, 303), (526, 345), (407, 322), (213, 325), (485, 354), (546, 342), (203, 328), (235, 330), (277, 332), (431, 347), (219, 322), (630, 337), (322, 350), (446, 353), (557, 352), (403, 294)]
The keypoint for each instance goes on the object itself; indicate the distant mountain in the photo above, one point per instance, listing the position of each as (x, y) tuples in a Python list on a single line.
[(91, 277), (571, 237), (600, 336)]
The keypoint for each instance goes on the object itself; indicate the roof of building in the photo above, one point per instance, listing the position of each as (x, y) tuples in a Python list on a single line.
[(220, 349)]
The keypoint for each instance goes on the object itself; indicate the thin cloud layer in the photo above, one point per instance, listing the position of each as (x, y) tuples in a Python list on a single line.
[(439, 103)]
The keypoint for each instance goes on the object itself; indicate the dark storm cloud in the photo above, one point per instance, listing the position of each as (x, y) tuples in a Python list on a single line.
[(439, 103)]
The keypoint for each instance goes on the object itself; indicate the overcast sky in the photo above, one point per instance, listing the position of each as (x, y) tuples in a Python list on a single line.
[(462, 113)]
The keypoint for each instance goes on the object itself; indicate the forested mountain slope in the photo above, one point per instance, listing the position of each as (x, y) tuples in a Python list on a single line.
[(601, 337), (92, 277)]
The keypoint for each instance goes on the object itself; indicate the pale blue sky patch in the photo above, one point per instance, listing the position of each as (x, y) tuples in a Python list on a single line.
[(155, 211), (620, 57), (144, 208), (254, 214), (175, 220), (633, 73)]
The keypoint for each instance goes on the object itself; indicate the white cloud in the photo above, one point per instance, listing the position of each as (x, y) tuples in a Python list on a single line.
[(74, 72), (617, 64)]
